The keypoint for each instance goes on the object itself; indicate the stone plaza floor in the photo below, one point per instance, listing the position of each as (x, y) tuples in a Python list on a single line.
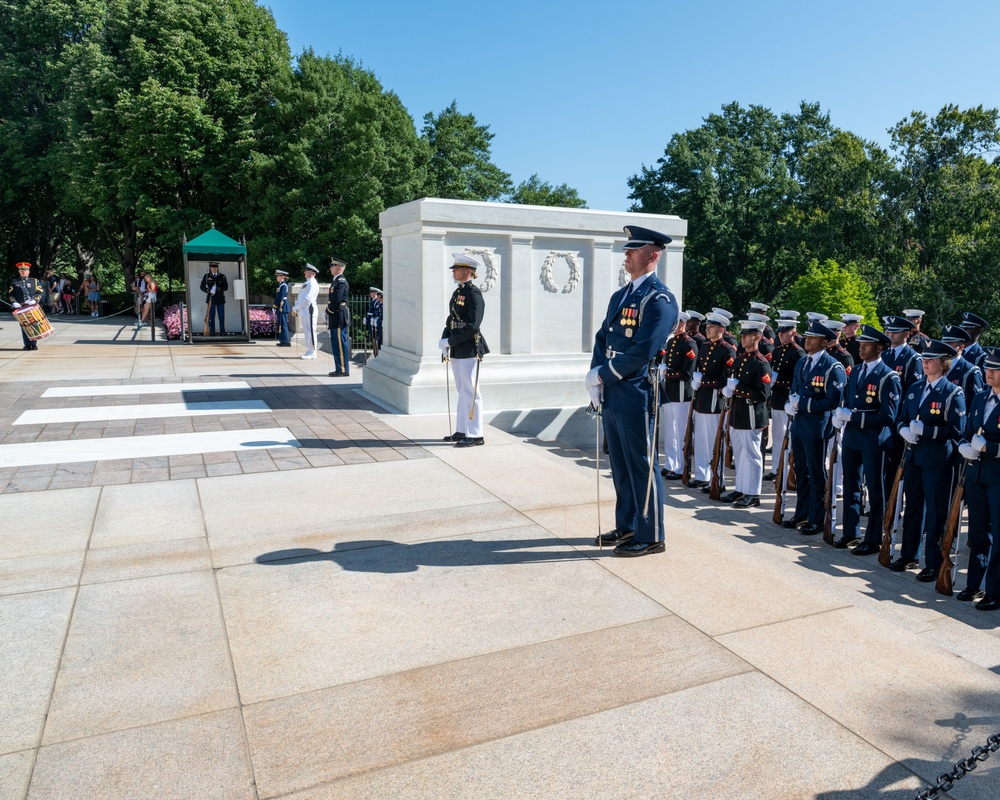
[(225, 575)]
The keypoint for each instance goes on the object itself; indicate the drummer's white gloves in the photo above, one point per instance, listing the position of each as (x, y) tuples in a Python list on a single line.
[(843, 414), (908, 435), (16, 305), (661, 371), (917, 427), (444, 346), (594, 377), (790, 409), (213, 290), (596, 395), (695, 381), (979, 442)]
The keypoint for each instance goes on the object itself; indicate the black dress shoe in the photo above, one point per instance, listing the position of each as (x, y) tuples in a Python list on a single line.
[(639, 548), (841, 543), (988, 603), (706, 488), (470, 441), (283, 344), (865, 549), (26, 347), (670, 476), (337, 374), (926, 575), (730, 497), (794, 522), (698, 484), (809, 529), (615, 537), (747, 501), (903, 564), (770, 476), (968, 594), (455, 437)]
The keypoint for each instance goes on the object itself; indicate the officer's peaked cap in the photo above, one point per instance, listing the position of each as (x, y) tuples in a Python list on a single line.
[(992, 358), (955, 333), (751, 326), (718, 319), (912, 313), (817, 328), (465, 260), (641, 237), (897, 324), (723, 312), (970, 320), (849, 318), (695, 315), (938, 349), (874, 335)]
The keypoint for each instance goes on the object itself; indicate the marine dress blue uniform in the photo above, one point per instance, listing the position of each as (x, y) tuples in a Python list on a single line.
[(634, 330)]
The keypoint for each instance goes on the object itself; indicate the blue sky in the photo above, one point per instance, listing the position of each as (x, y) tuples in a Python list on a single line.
[(585, 93)]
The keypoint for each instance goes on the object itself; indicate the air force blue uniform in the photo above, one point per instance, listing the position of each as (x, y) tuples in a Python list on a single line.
[(982, 496), (819, 382), (872, 395), (281, 309), (632, 333), (930, 469)]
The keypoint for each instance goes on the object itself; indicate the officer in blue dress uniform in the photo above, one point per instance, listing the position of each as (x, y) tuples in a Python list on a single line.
[(964, 374), (868, 416), (906, 362), (281, 308), (640, 317), (981, 448), (374, 316), (25, 291), (975, 325), (339, 316), (816, 390), (931, 420)]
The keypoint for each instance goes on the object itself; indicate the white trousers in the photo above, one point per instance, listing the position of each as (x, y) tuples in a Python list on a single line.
[(310, 321), (779, 424), (673, 425), (705, 426), (748, 460), (469, 398)]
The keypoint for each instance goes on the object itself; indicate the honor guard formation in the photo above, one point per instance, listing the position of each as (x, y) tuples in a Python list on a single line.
[(905, 428)]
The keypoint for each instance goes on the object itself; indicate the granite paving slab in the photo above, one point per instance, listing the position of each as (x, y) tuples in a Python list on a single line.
[(130, 514), (139, 652), (45, 524), (203, 756), (15, 770), (332, 617), (38, 573), (32, 630), (415, 714), (735, 738), (127, 562)]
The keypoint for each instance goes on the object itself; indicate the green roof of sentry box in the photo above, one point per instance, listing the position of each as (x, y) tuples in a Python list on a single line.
[(214, 242)]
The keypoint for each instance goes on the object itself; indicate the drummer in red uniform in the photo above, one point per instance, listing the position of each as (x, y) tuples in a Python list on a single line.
[(25, 291)]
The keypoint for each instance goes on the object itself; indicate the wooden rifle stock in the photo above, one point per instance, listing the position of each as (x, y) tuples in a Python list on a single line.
[(779, 506), (718, 456), (208, 310), (885, 551), (944, 578), (688, 447)]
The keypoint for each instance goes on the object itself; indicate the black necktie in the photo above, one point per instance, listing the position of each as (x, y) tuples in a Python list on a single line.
[(628, 292)]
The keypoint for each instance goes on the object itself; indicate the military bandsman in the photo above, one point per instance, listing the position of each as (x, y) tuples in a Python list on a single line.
[(640, 317), (25, 291), (748, 387)]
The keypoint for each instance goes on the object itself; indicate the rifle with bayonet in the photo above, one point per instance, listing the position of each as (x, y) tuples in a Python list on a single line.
[(718, 454)]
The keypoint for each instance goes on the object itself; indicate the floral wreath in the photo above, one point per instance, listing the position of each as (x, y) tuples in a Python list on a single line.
[(574, 271), (490, 279)]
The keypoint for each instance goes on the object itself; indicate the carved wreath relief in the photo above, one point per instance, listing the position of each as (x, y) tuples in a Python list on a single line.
[(548, 280)]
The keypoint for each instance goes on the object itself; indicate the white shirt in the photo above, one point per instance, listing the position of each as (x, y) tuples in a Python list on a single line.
[(308, 295)]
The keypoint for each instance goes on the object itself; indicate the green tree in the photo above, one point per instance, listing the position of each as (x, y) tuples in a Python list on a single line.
[(161, 108), (736, 179), (946, 206), (336, 150), (536, 192), (460, 167), (833, 290)]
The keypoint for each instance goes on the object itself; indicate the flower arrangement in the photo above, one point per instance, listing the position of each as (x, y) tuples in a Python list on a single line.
[(262, 322)]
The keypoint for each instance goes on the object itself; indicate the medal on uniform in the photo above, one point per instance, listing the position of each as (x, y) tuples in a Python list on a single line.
[(628, 332), (935, 408)]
